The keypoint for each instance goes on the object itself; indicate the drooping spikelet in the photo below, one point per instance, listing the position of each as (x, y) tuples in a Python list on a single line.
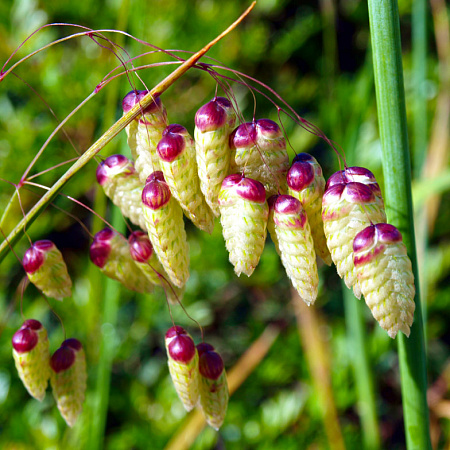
[(358, 175), (46, 269), (110, 252), (307, 184), (385, 275), (213, 385), (165, 226), (176, 150), (68, 379), (120, 181), (183, 365), (244, 213), (214, 123), (348, 208), (32, 356), (141, 250), (144, 135), (296, 245), (259, 151)]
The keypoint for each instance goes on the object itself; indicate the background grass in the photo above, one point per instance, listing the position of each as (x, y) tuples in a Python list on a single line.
[(317, 56)]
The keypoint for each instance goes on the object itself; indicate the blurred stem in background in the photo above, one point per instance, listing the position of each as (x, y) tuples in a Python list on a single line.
[(318, 357), (386, 47), (104, 291)]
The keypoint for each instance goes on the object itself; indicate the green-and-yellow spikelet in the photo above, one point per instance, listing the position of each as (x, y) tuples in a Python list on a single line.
[(348, 208), (110, 251), (68, 379), (46, 269), (176, 150), (244, 213), (259, 151), (183, 365), (213, 385), (165, 226), (307, 184), (296, 245), (32, 356), (121, 184), (385, 276), (214, 123)]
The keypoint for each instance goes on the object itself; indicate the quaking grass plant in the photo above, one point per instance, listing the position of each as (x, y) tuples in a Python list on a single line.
[(249, 196)]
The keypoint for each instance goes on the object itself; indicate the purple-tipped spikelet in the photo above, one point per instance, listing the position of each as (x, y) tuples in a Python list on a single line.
[(165, 226), (183, 365), (46, 269), (295, 243), (120, 181), (145, 132), (307, 184), (244, 213), (68, 379), (176, 150), (213, 385), (141, 250), (259, 151), (31, 355), (110, 252), (214, 123), (358, 175), (348, 208), (385, 276)]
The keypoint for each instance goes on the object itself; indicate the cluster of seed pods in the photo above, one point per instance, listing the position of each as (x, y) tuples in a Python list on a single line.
[(198, 375), (66, 368), (241, 175)]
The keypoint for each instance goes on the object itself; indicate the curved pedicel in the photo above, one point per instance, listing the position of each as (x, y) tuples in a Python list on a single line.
[(141, 249), (156, 194)]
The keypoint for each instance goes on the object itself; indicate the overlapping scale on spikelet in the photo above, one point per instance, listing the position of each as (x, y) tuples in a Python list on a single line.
[(214, 123), (165, 226), (121, 184), (271, 224), (183, 365), (348, 208), (359, 175), (46, 269), (32, 356), (244, 213), (213, 385), (176, 150), (385, 275), (296, 245), (259, 151), (110, 251), (141, 251), (68, 379), (145, 133), (307, 184)]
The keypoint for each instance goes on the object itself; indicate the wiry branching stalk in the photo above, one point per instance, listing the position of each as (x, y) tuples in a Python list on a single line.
[(40, 206)]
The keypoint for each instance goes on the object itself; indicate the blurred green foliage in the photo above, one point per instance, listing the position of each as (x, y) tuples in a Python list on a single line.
[(282, 44)]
